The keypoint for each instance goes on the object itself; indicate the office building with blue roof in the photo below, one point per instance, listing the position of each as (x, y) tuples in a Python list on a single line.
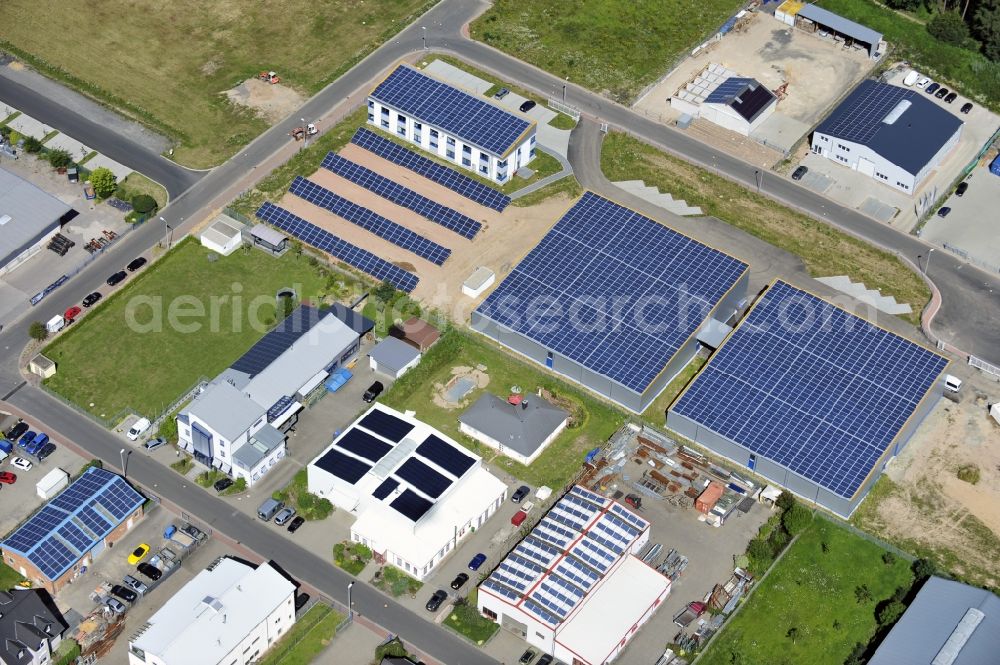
[(458, 126), (56, 544), (895, 135)]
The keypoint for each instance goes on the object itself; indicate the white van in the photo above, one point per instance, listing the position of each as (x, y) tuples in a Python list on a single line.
[(55, 324), (138, 429), (952, 383)]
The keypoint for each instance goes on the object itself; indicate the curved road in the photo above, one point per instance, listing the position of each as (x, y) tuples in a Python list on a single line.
[(967, 314)]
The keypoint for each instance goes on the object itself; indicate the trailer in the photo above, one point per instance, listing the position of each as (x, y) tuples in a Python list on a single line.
[(688, 614), (52, 483)]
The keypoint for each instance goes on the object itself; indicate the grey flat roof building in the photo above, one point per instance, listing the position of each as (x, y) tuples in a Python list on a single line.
[(522, 427), (846, 27), (393, 354), (948, 623), (261, 443), (27, 216), (230, 412)]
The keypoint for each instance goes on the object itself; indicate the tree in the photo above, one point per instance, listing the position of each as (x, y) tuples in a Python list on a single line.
[(143, 203), (888, 558), (949, 28), (32, 145), (792, 634), (986, 25), (104, 182), (394, 649), (907, 5), (922, 569), (862, 594), (38, 331), (785, 500), (890, 613), (857, 655), (796, 519), (59, 159), (385, 292)]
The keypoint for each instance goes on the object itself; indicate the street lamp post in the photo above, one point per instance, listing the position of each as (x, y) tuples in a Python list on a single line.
[(124, 468), (305, 139), (423, 36), (758, 178), (168, 232), (350, 605), (927, 261), (564, 91)]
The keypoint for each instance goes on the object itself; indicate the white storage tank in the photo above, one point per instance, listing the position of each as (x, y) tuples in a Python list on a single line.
[(52, 483)]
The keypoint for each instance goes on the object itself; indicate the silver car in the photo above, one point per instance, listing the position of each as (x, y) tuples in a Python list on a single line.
[(283, 516), (153, 444), (134, 584), (115, 605)]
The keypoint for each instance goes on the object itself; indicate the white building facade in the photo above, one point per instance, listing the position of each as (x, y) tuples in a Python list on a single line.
[(229, 614), (397, 106), (574, 587), (415, 492)]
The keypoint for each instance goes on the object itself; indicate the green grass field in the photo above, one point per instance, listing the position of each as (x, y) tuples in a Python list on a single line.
[(812, 591), (107, 364), (9, 577), (605, 45), (310, 635), (168, 63), (969, 71), (825, 250), (560, 460)]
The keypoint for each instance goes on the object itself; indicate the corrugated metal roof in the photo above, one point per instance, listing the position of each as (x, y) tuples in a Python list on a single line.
[(840, 24), (33, 213)]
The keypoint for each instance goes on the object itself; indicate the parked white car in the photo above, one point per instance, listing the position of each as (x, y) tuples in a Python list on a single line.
[(21, 463), (138, 429)]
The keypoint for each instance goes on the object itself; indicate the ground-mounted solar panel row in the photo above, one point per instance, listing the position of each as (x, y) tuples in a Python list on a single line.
[(402, 196), (427, 168), (340, 249), (369, 220)]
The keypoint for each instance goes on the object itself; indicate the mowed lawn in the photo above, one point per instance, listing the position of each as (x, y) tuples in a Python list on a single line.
[(609, 46), (168, 63), (108, 361), (812, 591), (597, 420)]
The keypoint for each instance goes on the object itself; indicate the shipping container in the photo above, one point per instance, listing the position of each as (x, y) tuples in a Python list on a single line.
[(709, 497)]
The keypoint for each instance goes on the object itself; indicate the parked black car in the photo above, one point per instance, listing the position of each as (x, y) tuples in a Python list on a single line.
[(223, 484), (942, 93), (91, 299), (966, 107), (435, 602), (124, 593), (136, 264), (527, 106), (520, 493), (459, 580), (932, 88), (294, 525), (962, 188), (527, 657), (117, 278), (546, 659), (952, 96), (17, 431), (943, 211), (45, 451), (150, 571), (301, 600), (374, 390), (799, 172)]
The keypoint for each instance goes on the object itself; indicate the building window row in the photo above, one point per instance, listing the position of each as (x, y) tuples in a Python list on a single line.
[(882, 176)]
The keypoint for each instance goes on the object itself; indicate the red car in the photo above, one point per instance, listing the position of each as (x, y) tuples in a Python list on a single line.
[(72, 313), (8, 478)]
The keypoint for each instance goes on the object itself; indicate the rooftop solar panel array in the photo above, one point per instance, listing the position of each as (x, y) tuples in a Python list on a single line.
[(427, 168), (72, 524), (613, 291), (411, 505), (364, 445), (277, 341), (445, 456), (343, 466), (460, 114), (423, 477), (811, 387), (386, 425), (402, 196), (340, 249), (369, 220), (566, 555)]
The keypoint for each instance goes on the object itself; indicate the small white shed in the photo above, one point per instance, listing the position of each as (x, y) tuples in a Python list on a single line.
[(393, 357), (223, 236), (52, 483)]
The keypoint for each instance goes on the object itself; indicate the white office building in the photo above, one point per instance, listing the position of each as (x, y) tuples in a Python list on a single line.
[(574, 587), (462, 128), (229, 614), (415, 492)]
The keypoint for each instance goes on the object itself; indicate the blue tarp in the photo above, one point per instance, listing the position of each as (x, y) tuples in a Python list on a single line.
[(995, 166), (338, 379)]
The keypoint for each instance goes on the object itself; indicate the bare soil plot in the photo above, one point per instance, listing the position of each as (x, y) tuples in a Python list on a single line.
[(271, 102)]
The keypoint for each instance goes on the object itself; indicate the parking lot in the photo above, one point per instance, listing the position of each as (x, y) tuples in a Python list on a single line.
[(970, 230), (17, 287), (20, 499)]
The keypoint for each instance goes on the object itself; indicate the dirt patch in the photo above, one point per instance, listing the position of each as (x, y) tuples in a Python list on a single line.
[(271, 102), (935, 510), (478, 377)]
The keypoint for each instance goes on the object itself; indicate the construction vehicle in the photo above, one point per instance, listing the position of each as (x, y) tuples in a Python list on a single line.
[(634, 500), (269, 77), (300, 133), (689, 614)]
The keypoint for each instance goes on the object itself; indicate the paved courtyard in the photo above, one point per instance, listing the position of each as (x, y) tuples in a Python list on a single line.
[(971, 230)]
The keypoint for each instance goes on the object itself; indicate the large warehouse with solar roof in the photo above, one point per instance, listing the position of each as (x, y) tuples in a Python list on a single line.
[(83, 520), (464, 129), (613, 300), (810, 397), (415, 492)]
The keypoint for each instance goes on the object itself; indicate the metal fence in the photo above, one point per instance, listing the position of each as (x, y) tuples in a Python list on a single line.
[(563, 107), (984, 366), (969, 258)]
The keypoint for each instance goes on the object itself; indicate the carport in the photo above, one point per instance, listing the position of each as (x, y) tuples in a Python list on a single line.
[(838, 25)]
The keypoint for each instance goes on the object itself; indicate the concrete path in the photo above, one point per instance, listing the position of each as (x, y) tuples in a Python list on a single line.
[(547, 180)]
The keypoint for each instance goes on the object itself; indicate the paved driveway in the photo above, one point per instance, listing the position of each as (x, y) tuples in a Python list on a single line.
[(971, 229)]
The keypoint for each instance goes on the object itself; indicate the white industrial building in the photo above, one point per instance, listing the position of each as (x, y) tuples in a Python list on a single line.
[(29, 217), (574, 587), (723, 97), (415, 492), (894, 135), (229, 614), (462, 128), (237, 424)]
